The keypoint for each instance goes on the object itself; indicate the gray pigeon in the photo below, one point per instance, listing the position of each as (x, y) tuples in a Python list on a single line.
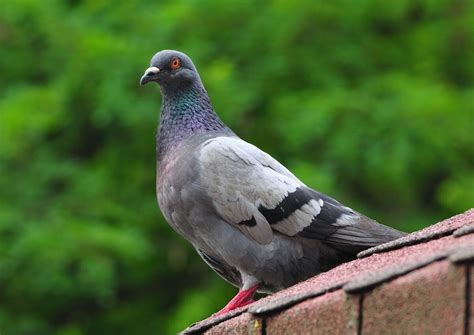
[(249, 218)]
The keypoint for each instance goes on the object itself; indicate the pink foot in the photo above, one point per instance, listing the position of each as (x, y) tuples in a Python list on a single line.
[(243, 298)]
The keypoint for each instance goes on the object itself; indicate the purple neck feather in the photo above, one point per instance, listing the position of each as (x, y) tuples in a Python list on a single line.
[(185, 112)]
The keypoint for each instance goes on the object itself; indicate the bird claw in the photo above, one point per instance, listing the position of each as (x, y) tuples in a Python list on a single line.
[(243, 298)]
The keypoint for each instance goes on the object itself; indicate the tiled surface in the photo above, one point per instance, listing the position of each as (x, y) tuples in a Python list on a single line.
[(443, 228), (470, 296), (425, 301), (201, 326), (242, 324), (418, 285), (377, 267), (332, 313)]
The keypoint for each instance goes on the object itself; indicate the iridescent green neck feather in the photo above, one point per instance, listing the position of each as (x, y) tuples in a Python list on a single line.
[(185, 112)]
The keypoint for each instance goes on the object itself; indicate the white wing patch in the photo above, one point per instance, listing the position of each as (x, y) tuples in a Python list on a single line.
[(299, 219), (346, 220), (239, 178)]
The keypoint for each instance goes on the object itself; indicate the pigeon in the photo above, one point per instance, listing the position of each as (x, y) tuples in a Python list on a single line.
[(249, 218)]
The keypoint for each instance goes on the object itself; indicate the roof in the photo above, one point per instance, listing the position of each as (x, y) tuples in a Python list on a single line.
[(426, 275)]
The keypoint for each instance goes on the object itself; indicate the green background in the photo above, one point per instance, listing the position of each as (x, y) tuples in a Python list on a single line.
[(370, 102)]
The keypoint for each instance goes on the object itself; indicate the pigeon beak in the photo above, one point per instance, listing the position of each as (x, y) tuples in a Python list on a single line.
[(150, 74)]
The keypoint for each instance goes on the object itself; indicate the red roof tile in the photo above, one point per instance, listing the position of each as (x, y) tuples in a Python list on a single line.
[(469, 321), (427, 301), (418, 273), (332, 313)]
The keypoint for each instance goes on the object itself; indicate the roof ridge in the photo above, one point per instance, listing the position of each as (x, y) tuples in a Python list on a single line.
[(426, 234)]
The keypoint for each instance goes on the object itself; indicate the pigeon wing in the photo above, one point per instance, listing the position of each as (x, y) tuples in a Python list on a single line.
[(245, 184), (258, 195)]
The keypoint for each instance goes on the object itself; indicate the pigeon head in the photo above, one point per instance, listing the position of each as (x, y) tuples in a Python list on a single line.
[(170, 69), (186, 109)]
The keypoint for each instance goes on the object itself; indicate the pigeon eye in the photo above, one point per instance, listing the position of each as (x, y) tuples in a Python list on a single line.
[(175, 63)]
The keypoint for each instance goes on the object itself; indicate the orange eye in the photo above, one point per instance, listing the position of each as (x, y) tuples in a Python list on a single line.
[(175, 63)]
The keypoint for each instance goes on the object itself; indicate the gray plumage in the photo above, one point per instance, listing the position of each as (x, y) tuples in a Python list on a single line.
[(249, 218)]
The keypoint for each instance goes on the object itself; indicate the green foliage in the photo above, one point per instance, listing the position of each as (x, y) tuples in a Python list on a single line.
[(368, 101)]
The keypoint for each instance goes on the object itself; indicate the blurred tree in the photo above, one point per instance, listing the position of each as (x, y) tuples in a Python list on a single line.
[(369, 102)]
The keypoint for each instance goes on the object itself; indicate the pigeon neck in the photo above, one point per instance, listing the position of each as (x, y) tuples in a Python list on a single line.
[(185, 112)]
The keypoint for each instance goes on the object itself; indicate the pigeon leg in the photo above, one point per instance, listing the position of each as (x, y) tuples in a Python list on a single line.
[(243, 298)]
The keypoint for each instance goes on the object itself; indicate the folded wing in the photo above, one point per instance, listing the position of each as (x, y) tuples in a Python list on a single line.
[(259, 196)]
